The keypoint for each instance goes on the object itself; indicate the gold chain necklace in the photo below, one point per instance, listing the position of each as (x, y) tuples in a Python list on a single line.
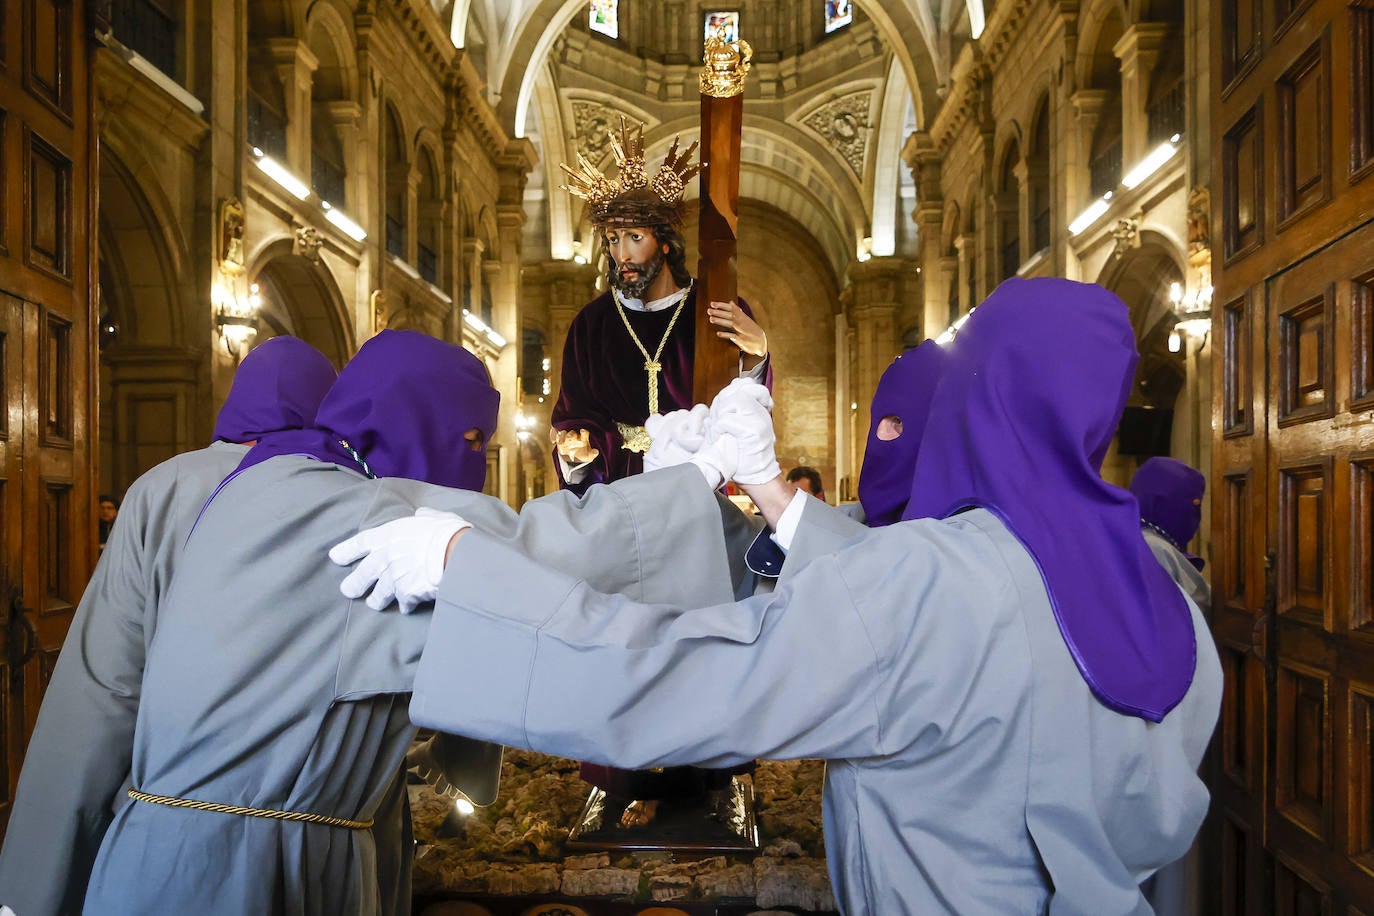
[(652, 365)]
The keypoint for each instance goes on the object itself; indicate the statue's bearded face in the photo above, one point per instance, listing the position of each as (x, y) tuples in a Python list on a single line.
[(638, 257)]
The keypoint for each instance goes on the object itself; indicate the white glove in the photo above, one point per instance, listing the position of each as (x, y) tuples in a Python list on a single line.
[(401, 560), (677, 436), (740, 413)]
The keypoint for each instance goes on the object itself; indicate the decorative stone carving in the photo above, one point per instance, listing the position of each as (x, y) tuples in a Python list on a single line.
[(377, 307), (594, 124), (845, 125), (307, 243), (1199, 220), (232, 223), (1127, 235)]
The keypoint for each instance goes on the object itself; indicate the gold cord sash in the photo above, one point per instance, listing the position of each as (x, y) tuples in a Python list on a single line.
[(268, 813)]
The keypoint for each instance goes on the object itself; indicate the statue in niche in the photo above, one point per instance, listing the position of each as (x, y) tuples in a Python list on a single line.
[(232, 224), (1199, 221)]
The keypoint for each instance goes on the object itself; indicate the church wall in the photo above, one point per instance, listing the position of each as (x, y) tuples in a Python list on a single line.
[(293, 77), (1035, 53)]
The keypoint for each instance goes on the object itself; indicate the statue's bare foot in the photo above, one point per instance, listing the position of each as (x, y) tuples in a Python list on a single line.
[(639, 813)]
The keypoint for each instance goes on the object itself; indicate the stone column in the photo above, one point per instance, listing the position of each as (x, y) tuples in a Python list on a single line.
[(1138, 50), (346, 117), (295, 66), (923, 159), (1088, 105), (1024, 218), (513, 168), (871, 300), (967, 246)]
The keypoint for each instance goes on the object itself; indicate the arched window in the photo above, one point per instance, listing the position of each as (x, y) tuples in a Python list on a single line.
[(1166, 99), (397, 185), (1104, 159), (1009, 213), (1038, 174), (327, 89), (431, 205)]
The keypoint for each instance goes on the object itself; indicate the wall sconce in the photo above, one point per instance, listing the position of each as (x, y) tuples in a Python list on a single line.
[(523, 425), (1192, 313), (235, 324), (578, 256)]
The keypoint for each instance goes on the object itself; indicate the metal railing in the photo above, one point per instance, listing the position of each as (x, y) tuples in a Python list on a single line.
[(145, 27), (1166, 114), (395, 237), (1104, 171), (266, 127), (427, 263), (327, 178)]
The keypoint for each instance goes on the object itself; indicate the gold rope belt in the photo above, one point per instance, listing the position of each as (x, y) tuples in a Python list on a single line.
[(250, 812)]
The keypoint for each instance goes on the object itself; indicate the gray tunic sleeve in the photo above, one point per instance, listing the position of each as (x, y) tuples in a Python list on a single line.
[(79, 754)]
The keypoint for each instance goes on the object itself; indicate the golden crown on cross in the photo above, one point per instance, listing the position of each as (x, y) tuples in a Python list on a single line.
[(668, 184)]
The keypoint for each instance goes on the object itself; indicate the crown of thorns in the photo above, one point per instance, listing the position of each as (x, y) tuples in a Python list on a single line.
[(632, 180)]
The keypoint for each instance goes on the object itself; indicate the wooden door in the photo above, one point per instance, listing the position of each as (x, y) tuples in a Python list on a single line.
[(1293, 475), (46, 337)]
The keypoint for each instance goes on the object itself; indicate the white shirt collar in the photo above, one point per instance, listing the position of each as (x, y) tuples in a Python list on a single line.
[(656, 305)]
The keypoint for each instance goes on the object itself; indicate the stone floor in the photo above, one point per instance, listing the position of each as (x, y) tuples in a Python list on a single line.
[(509, 858)]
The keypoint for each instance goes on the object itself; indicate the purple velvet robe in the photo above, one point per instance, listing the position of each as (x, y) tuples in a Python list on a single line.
[(604, 381)]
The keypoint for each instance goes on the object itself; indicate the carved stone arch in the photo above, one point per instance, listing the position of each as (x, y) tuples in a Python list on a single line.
[(898, 23), (1141, 277), (1101, 27), (329, 36), (153, 382), (301, 298), (396, 163), (274, 19), (431, 196), (144, 252), (950, 226), (1011, 145)]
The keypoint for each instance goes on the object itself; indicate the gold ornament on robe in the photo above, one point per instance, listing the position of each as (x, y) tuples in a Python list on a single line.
[(726, 66), (637, 438)]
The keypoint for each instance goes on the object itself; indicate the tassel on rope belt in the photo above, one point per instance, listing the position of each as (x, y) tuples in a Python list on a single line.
[(300, 816)]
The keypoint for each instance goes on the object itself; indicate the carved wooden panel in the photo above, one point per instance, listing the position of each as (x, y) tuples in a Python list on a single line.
[(4, 174), (1234, 726), (55, 382), (1304, 128), (47, 71), (1240, 40), (1299, 894), (1303, 752), (5, 367), (1361, 91), (55, 512), (1236, 516), (1304, 548), (8, 752), (48, 174), (47, 663), (1362, 342), (1237, 375), (1361, 611), (1306, 370), (1243, 188), (1235, 867), (1360, 810)]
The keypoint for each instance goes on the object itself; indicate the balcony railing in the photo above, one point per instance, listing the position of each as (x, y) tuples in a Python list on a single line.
[(1011, 257), (395, 237), (427, 262), (1040, 227), (1105, 169), (327, 178), (1166, 114), (266, 127), (145, 27)]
